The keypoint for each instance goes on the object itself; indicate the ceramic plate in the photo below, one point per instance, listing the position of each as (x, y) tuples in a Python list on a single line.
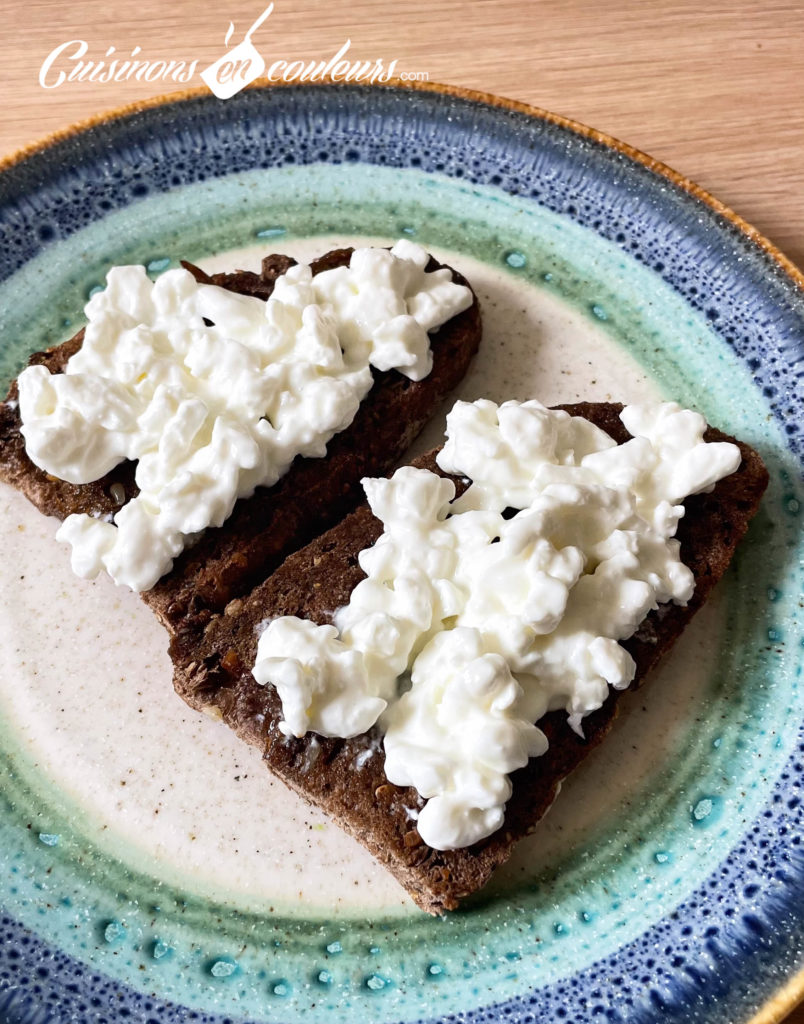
[(150, 869)]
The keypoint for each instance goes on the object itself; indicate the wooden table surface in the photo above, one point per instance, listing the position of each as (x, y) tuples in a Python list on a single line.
[(713, 90)]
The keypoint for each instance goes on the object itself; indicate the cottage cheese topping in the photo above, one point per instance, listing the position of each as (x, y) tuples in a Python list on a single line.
[(325, 680), (499, 620), (456, 736), (213, 410)]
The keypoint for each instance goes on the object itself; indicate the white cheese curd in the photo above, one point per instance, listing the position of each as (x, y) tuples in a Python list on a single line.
[(213, 411), (319, 677), (499, 618), (457, 734)]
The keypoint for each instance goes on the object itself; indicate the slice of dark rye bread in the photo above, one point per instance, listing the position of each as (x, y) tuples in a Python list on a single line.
[(313, 494), (345, 778)]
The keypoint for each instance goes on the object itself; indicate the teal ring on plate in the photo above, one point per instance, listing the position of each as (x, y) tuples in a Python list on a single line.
[(640, 251)]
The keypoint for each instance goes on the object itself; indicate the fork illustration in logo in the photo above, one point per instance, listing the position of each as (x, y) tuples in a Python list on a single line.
[(236, 68)]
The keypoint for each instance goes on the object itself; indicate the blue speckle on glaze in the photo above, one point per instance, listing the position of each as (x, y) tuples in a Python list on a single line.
[(160, 949), (156, 266), (271, 233), (516, 259), (223, 967), (706, 811), (49, 838), (113, 932), (376, 983), (671, 994)]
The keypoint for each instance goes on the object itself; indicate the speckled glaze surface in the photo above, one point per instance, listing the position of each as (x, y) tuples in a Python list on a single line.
[(668, 880)]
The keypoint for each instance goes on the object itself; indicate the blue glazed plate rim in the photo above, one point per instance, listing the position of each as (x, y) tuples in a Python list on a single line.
[(776, 264), (778, 260)]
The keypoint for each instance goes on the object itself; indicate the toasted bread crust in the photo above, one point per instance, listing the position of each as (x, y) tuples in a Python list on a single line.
[(312, 495), (345, 777)]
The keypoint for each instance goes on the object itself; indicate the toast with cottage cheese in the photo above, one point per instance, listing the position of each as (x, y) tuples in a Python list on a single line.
[(345, 777), (312, 495)]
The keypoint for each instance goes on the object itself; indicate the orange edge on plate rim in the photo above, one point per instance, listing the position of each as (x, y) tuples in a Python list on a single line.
[(792, 993)]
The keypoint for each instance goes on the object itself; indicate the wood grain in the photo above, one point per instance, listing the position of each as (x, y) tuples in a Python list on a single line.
[(714, 92)]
